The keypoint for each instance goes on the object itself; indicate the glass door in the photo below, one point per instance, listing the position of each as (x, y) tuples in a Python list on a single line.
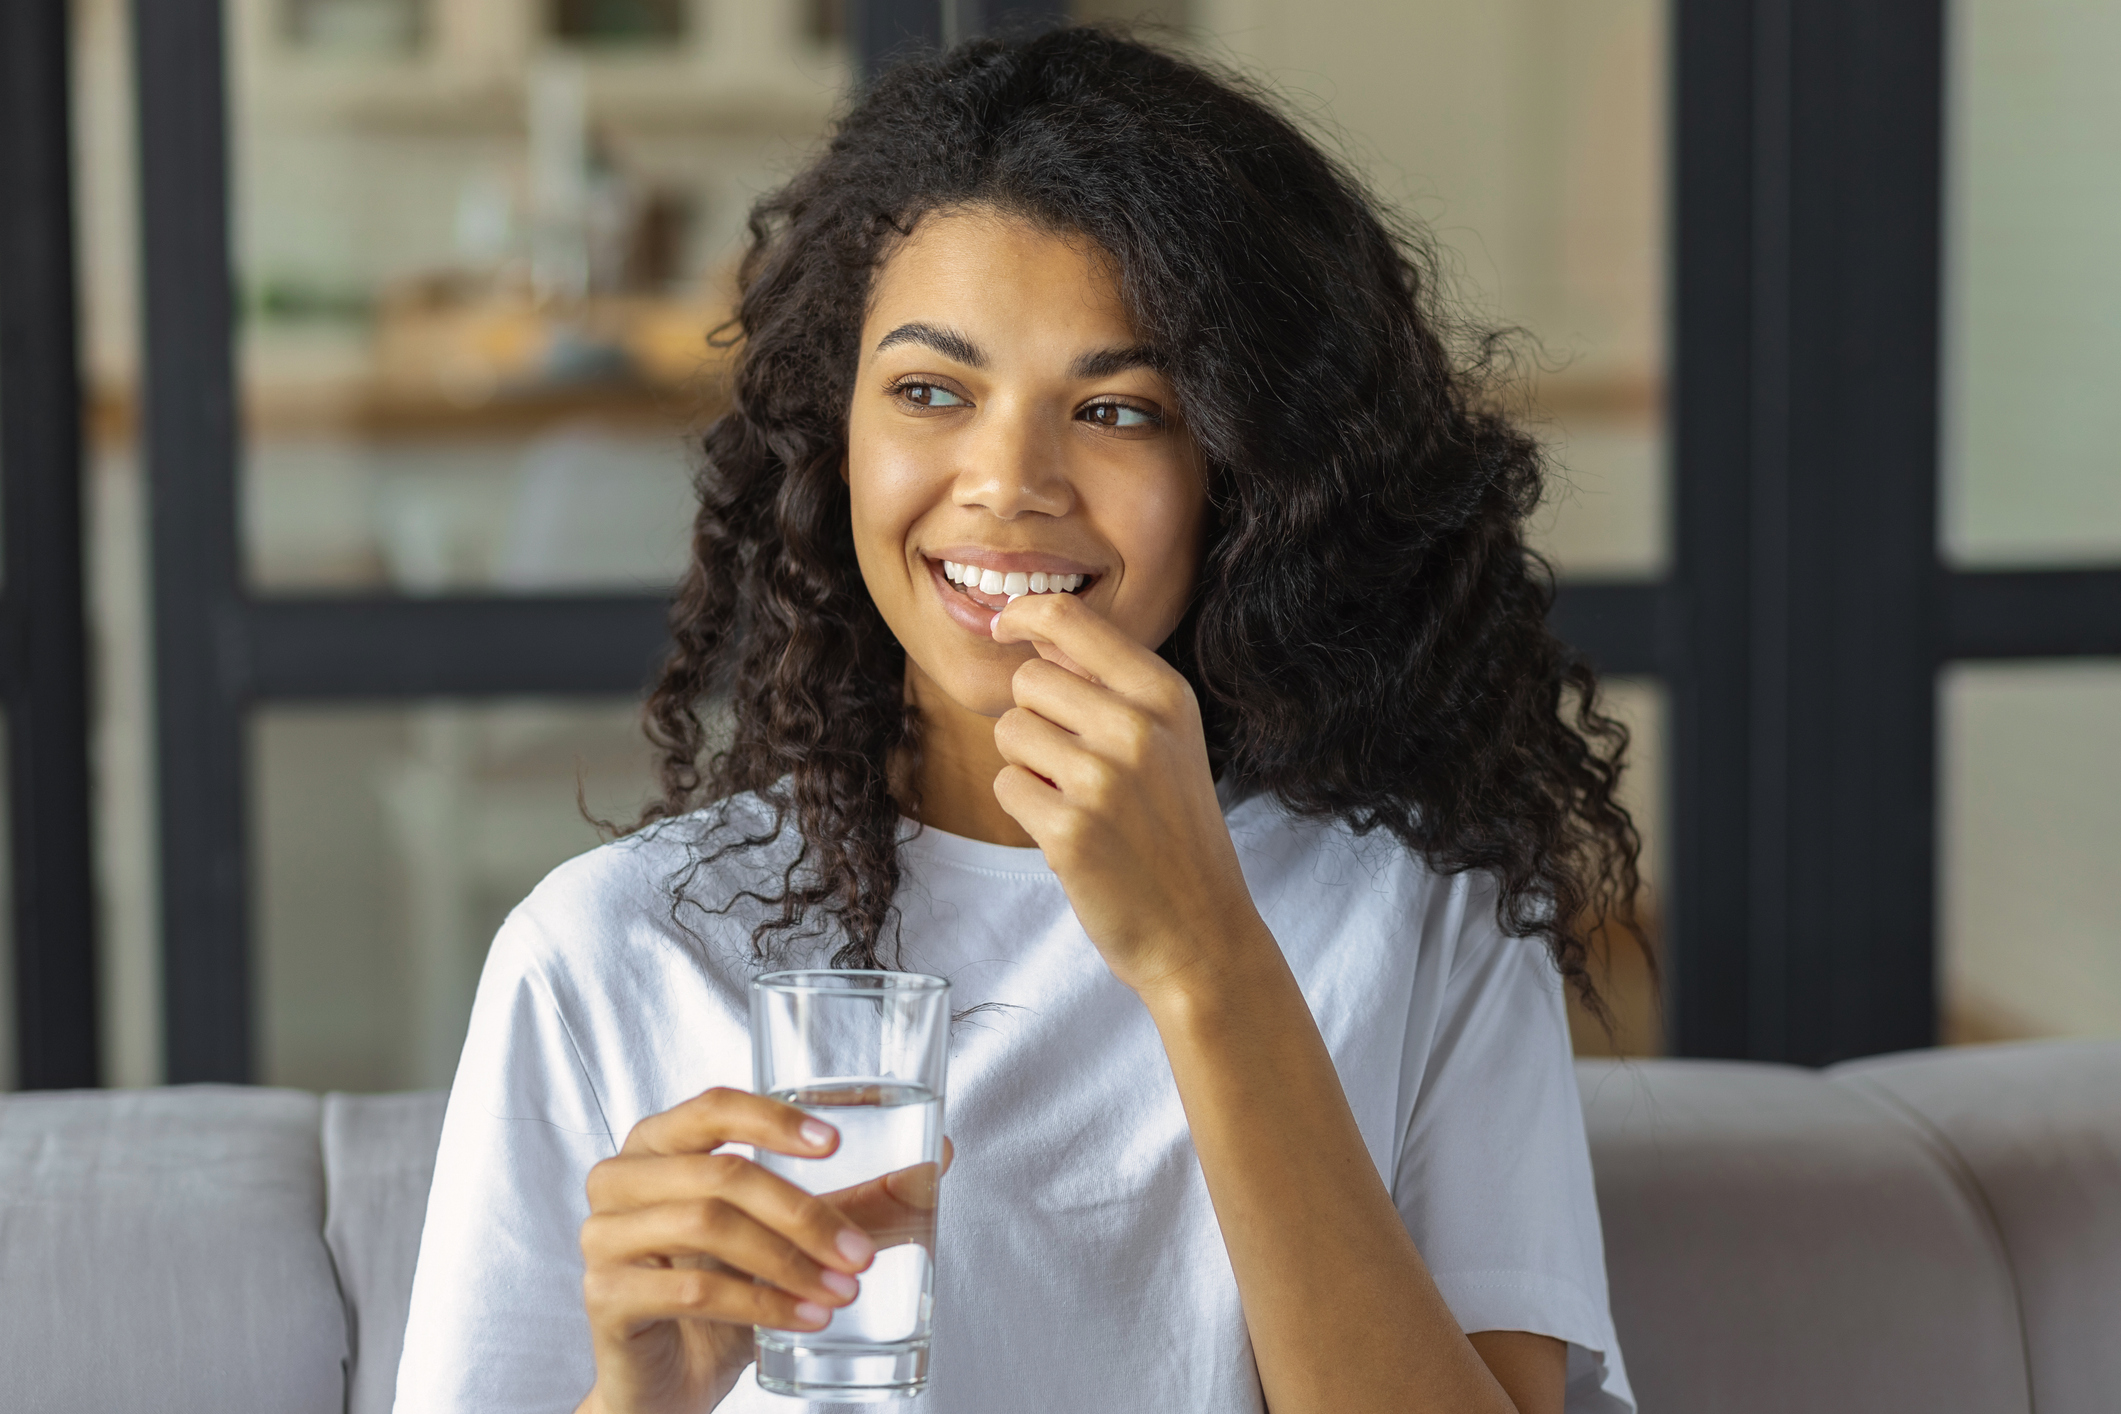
[(2030, 750)]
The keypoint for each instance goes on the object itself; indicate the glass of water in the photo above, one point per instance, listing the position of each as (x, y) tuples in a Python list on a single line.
[(864, 1052)]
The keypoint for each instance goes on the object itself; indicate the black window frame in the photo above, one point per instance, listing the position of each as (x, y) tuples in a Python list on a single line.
[(43, 628), (1800, 634)]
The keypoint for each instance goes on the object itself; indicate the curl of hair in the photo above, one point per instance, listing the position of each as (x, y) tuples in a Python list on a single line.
[(1368, 638)]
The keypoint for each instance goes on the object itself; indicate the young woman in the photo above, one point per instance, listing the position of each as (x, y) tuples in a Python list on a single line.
[(1119, 593)]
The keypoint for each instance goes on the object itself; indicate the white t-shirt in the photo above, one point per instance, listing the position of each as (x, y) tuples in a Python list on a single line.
[(1079, 1263)]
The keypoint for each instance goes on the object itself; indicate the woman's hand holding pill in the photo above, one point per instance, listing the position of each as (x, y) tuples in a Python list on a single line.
[(688, 1246), (1109, 772)]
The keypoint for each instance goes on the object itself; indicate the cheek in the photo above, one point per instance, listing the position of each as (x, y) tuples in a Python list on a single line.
[(885, 493), (893, 485), (1161, 545)]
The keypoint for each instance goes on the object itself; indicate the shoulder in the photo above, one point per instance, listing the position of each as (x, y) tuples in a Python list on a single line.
[(687, 882), (1327, 868), (620, 985), (1324, 855)]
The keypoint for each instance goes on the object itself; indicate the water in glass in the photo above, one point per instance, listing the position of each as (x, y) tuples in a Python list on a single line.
[(875, 1347)]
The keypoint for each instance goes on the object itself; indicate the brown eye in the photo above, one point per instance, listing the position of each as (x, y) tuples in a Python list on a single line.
[(1120, 416), (928, 395)]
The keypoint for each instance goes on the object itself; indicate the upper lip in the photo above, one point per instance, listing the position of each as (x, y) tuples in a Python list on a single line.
[(1011, 561)]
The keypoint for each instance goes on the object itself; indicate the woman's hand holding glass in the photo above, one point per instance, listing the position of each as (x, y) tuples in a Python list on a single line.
[(1109, 772), (688, 1246)]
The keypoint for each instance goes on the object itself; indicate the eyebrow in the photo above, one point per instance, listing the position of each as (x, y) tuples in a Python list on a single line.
[(947, 342), (1101, 363), (1106, 362)]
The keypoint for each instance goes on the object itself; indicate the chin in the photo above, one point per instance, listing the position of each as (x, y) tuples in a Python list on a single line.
[(982, 688)]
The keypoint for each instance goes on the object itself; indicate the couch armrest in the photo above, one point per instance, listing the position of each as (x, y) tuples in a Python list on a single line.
[(1776, 1242), (379, 1162), (2036, 1129)]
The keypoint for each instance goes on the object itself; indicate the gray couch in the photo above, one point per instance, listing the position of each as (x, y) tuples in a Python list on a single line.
[(1935, 1232)]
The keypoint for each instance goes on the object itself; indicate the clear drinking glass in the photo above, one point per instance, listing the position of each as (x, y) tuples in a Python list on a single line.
[(864, 1051)]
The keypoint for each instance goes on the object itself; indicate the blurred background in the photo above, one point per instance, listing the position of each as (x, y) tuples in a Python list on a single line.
[(474, 248)]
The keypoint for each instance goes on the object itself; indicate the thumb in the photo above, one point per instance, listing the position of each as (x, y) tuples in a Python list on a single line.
[(916, 1186)]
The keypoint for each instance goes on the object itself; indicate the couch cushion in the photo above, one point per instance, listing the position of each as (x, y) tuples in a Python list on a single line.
[(379, 1161), (161, 1251), (2038, 1129), (1777, 1242)]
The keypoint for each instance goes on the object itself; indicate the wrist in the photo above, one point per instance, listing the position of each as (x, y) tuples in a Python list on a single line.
[(1221, 976)]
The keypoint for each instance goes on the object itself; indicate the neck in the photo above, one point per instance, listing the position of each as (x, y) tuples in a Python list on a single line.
[(958, 764)]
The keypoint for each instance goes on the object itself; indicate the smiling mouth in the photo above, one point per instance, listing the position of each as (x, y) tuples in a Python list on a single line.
[(991, 589)]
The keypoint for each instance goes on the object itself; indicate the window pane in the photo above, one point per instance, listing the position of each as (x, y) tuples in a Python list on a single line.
[(2031, 795), (389, 844), (106, 177), (479, 251), (1531, 138), (2032, 290)]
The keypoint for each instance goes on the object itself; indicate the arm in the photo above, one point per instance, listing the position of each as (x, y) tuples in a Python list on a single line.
[(1110, 774), (1341, 1310)]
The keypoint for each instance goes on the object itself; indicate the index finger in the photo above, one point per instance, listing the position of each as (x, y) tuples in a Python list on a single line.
[(1095, 644), (725, 1116)]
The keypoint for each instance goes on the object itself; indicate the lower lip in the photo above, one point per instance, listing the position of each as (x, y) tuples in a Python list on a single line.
[(969, 614), (973, 618)]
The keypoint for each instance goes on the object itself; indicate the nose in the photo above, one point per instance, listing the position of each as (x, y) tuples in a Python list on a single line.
[(1011, 464)]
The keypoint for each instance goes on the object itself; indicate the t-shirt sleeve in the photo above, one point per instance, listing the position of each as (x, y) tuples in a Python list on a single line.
[(1494, 1174), (497, 1321)]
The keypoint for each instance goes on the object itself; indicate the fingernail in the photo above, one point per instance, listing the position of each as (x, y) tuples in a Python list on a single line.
[(855, 1245), (811, 1314), (839, 1284), (817, 1135)]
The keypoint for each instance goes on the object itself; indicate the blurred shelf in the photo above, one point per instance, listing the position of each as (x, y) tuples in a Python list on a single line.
[(1605, 396), (365, 412)]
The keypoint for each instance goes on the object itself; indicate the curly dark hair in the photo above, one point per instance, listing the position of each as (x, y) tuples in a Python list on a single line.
[(1368, 637)]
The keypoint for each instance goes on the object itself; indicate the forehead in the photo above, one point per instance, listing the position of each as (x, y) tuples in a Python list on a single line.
[(994, 273)]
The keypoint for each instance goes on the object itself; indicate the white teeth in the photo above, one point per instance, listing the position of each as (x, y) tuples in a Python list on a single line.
[(1013, 583)]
